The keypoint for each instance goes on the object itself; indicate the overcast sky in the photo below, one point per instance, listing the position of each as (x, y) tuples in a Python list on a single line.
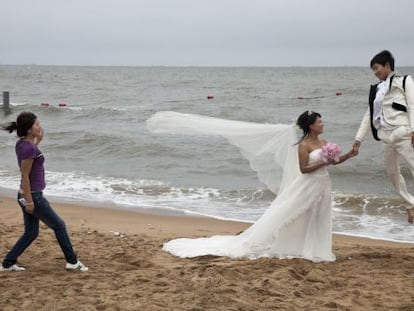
[(205, 32)]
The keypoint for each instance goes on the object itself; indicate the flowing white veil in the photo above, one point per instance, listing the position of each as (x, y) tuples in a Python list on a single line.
[(269, 148)]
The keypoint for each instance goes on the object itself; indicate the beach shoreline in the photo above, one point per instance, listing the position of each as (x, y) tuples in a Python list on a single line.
[(80, 210), (129, 270)]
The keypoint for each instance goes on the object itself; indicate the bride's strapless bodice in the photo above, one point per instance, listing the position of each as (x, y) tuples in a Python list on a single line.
[(316, 156)]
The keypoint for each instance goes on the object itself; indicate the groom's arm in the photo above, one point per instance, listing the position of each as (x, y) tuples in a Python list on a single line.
[(409, 97), (363, 130)]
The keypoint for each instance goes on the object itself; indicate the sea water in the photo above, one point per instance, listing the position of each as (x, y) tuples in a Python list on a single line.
[(98, 149)]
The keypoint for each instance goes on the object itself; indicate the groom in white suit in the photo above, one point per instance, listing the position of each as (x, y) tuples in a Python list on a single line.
[(390, 117)]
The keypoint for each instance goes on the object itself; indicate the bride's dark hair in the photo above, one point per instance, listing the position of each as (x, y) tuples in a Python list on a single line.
[(305, 120), (22, 125)]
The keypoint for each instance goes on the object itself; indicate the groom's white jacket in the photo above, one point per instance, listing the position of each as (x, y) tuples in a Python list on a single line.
[(397, 108)]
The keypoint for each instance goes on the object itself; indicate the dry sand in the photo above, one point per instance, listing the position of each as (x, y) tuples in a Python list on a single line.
[(129, 271)]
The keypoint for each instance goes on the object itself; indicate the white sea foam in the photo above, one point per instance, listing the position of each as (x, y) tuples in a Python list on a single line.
[(14, 104), (203, 201)]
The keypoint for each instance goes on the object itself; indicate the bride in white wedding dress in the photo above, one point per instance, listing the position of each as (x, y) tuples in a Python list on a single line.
[(298, 222)]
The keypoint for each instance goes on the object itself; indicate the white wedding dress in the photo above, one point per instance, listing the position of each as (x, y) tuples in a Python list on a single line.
[(298, 222)]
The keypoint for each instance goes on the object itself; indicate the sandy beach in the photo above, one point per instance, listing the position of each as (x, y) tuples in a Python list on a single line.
[(129, 271)]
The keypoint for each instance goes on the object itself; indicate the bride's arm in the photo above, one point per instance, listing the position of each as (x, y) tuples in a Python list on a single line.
[(346, 156), (304, 165)]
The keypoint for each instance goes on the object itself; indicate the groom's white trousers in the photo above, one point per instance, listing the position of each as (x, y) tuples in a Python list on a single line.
[(398, 146)]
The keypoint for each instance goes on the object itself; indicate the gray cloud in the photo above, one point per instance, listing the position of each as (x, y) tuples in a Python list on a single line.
[(206, 33)]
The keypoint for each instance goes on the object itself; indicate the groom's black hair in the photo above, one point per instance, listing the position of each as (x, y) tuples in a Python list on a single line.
[(382, 58)]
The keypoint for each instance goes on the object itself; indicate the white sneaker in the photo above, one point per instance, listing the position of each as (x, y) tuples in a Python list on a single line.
[(12, 268), (76, 266)]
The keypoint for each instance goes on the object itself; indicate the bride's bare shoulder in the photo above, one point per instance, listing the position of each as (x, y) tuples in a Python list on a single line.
[(304, 146)]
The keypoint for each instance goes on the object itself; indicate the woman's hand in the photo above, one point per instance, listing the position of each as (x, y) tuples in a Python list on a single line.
[(350, 154), (39, 137), (29, 208), (356, 145), (353, 152)]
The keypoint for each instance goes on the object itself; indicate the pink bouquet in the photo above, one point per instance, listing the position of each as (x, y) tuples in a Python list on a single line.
[(330, 152)]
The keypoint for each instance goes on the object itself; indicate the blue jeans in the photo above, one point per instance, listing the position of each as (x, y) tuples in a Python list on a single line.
[(43, 212)]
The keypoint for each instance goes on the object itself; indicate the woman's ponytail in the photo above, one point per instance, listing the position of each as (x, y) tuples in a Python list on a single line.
[(22, 125), (11, 127)]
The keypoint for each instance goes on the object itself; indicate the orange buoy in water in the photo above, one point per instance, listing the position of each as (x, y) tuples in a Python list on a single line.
[(44, 104), (210, 97), (62, 104), (338, 93)]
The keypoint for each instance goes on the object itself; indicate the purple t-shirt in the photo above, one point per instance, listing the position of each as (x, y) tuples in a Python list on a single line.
[(27, 150)]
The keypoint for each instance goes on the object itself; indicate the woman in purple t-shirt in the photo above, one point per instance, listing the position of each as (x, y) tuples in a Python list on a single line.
[(30, 197)]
